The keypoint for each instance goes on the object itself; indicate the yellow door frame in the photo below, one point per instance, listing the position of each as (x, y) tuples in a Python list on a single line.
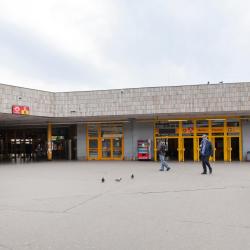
[(122, 149), (213, 158), (180, 144), (211, 137), (227, 154), (240, 140), (49, 142), (87, 144), (164, 137), (196, 147), (229, 149), (89, 149), (155, 142), (184, 149), (99, 143), (109, 149)]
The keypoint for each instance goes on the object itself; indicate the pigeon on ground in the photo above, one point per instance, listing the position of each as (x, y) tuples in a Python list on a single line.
[(103, 180), (118, 180), (132, 176)]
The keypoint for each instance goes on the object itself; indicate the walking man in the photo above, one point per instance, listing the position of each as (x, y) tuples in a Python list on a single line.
[(206, 150), (162, 153)]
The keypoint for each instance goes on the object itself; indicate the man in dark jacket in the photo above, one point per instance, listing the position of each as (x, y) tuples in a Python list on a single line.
[(162, 153), (206, 150)]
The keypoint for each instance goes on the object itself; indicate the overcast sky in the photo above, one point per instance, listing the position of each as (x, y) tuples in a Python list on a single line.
[(63, 45)]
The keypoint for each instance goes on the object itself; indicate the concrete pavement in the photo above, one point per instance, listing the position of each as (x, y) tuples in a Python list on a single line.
[(64, 205)]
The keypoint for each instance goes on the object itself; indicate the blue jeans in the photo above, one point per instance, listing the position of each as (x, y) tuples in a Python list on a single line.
[(163, 162), (205, 163)]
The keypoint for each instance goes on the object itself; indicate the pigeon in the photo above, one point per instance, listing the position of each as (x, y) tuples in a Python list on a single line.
[(118, 180), (132, 176), (103, 180)]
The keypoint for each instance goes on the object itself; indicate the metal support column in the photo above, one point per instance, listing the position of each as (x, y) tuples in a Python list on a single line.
[(49, 136)]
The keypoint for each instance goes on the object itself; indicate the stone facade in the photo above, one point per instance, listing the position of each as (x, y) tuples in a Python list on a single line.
[(196, 99), (41, 103)]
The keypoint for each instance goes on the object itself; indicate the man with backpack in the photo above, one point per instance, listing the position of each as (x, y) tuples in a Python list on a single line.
[(206, 150)]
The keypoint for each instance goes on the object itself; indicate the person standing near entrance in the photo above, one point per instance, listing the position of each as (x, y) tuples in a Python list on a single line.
[(162, 154), (39, 151), (206, 150)]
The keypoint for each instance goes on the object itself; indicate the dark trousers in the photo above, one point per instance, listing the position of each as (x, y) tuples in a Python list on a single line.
[(205, 163)]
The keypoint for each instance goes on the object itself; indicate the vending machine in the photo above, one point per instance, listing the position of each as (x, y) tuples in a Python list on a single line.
[(144, 149)]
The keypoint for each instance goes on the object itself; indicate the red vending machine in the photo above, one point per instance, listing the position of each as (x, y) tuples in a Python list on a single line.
[(144, 149)]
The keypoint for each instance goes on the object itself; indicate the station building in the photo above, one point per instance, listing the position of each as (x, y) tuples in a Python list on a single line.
[(107, 124)]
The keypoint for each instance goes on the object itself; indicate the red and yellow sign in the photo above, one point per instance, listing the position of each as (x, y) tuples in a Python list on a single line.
[(20, 110), (205, 130), (185, 130)]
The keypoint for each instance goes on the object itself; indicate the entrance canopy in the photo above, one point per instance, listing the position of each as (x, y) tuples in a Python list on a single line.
[(30, 120)]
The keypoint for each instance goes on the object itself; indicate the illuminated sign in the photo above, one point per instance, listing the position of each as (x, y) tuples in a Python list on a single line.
[(20, 110)]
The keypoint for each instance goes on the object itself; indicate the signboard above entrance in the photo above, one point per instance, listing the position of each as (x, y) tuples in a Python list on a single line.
[(20, 110), (206, 130)]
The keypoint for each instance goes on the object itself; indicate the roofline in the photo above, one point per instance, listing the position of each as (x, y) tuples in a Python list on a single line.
[(120, 89)]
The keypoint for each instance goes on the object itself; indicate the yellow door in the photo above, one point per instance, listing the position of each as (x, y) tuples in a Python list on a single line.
[(229, 149), (93, 149), (188, 149), (181, 149), (214, 148), (196, 149), (218, 144)]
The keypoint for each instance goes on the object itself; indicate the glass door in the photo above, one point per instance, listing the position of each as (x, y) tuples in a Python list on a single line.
[(93, 149), (105, 142), (188, 149), (106, 149), (117, 148), (235, 149), (92, 142), (219, 149)]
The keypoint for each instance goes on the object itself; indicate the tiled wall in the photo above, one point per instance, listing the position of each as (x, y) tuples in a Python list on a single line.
[(226, 97), (41, 103)]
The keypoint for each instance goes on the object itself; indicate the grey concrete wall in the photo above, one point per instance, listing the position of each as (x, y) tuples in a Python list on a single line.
[(128, 140), (134, 131), (81, 142), (245, 138), (41, 103), (205, 98)]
